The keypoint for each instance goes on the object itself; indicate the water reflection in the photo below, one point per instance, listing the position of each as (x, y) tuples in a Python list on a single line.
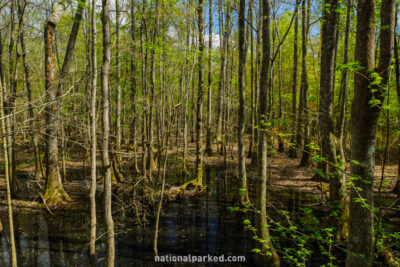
[(197, 226)]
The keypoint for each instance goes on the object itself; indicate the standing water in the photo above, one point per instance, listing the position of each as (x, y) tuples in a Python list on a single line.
[(197, 226)]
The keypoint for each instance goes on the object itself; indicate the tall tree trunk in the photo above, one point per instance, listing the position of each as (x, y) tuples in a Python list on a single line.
[(152, 93), (105, 70), (252, 81), (294, 144), (397, 74), (306, 157), (93, 142), (220, 104), (208, 149), (118, 75), (364, 115), (133, 85), (54, 190), (7, 176), (343, 86), (200, 90), (242, 103), (39, 172), (337, 188), (10, 104), (143, 39), (266, 247)]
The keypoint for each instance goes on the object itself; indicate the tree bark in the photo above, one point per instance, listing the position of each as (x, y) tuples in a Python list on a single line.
[(93, 149), (133, 85), (364, 115), (39, 172), (242, 102), (337, 188), (54, 190), (305, 159), (208, 149), (266, 247), (200, 90), (105, 70), (294, 144)]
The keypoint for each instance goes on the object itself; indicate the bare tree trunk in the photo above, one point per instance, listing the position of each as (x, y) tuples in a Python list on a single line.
[(133, 85), (93, 142), (306, 157), (242, 103), (266, 247), (343, 86), (199, 112), (294, 144), (396, 188), (150, 159), (105, 70), (39, 172), (208, 149), (364, 120), (220, 104), (10, 104), (54, 190), (7, 176), (252, 81), (117, 85), (143, 39), (337, 188)]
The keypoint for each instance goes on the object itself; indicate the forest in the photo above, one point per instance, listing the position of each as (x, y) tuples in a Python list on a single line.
[(199, 133)]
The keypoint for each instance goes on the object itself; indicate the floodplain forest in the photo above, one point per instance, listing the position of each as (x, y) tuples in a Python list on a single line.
[(226, 132)]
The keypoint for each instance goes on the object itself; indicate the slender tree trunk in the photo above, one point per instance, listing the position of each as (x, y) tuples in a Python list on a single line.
[(397, 74), (364, 120), (93, 142), (242, 103), (10, 104), (306, 157), (152, 93), (221, 85), (266, 247), (105, 70), (186, 112), (117, 80), (143, 39), (252, 81), (337, 188), (208, 149), (8, 188), (294, 144), (343, 86), (39, 172), (133, 85), (200, 90)]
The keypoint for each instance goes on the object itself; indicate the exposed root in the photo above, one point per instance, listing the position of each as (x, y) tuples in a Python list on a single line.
[(195, 182), (56, 195)]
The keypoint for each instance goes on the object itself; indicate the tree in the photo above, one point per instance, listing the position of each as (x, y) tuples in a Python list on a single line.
[(105, 70), (369, 88), (208, 149), (200, 90), (292, 150), (54, 190), (266, 247), (242, 99), (337, 188), (303, 103), (93, 136)]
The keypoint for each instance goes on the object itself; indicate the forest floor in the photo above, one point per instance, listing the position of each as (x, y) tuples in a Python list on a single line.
[(285, 174)]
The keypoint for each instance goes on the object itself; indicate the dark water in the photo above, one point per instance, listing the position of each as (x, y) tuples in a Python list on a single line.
[(197, 226)]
